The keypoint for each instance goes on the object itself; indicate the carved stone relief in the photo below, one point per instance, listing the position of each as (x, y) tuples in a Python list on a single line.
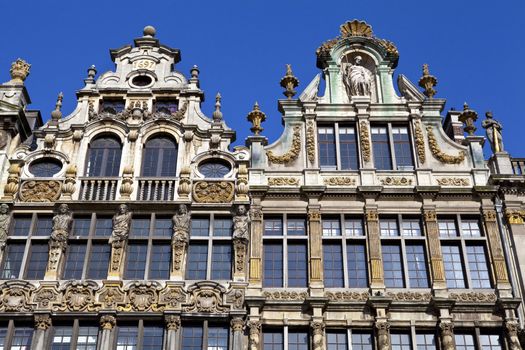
[(292, 154), (40, 191), (213, 192)]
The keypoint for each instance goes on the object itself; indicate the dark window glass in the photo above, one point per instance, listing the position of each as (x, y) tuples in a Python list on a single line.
[(297, 340), (477, 263), (296, 226), (160, 261), (392, 266), (331, 227), (402, 146), (46, 167), (218, 338), (273, 265), (127, 337), (22, 226), (273, 340), (354, 227), (167, 107), (464, 342), (417, 266), (160, 157), (348, 147), (62, 338), (192, 337), (112, 106), (326, 139), (3, 335), (221, 261), (447, 228), (98, 261), (139, 227), (336, 341), (152, 338), (357, 265), (103, 158), (222, 227), (426, 341), (163, 227), (81, 226), (87, 338), (38, 256), (491, 341), (273, 227), (200, 227), (333, 265), (197, 261), (362, 341), (13, 255), (214, 169), (75, 261), (381, 147), (401, 341), (136, 261), (22, 338), (44, 226), (103, 227), (453, 264), (297, 262)]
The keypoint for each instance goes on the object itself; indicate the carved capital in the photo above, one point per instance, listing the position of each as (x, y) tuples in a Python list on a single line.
[(172, 322), (430, 215), (237, 324), (372, 215), (447, 335), (515, 216), (489, 215), (314, 215), (107, 322), (42, 321)]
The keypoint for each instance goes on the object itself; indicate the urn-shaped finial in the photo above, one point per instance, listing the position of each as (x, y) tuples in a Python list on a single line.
[(217, 114), (468, 117), (289, 82), (256, 117), (428, 82), (19, 71), (57, 113)]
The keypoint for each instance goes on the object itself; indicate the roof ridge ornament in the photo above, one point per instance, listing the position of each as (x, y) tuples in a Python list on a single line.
[(428, 82), (57, 113), (356, 28), (217, 114), (19, 71), (256, 117), (289, 82), (468, 117)]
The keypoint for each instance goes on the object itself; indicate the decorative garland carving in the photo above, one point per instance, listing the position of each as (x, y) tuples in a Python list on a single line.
[(396, 181), (292, 154), (285, 295), (453, 181), (40, 191), (213, 192), (339, 181), (409, 296), (310, 141), (365, 140), (474, 297), (438, 153), (420, 143), (347, 296), (283, 181)]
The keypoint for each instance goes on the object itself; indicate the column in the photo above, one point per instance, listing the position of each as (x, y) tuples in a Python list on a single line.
[(42, 324), (496, 251), (434, 247), (383, 333), (512, 328), (446, 332), (255, 334), (107, 324), (316, 247), (374, 247), (237, 326), (317, 335), (172, 327), (5, 221), (256, 245)]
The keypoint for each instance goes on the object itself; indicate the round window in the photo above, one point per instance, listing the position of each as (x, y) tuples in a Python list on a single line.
[(214, 168), (46, 167), (142, 80)]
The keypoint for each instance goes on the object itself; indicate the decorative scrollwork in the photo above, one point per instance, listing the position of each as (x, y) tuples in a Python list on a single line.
[(409, 296), (285, 295), (438, 153), (310, 141), (347, 296), (453, 181), (292, 154), (206, 297), (420, 143), (283, 181), (474, 297), (339, 181), (213, 192), (40, 191), (365, 140), (396, 181)]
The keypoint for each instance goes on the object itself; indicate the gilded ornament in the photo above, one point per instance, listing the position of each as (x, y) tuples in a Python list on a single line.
[(172, 322), (256, 117), (420, 143), (314, 215), (40, 191), (428, 82), (371, 215), (365, 140), (339, 181), (395, 181), (356, 28), (292, 154), (289, 82), (283, 181), (108, 322), (468, 117), (213, 192), (42, 321), (430, 216), (438, 153), (453, 181), (13, 179), (489, 215), (515, 216), (19, 71), (310, 141)]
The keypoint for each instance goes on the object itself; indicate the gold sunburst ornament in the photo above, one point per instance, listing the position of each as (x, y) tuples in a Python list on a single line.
[(356, 28)]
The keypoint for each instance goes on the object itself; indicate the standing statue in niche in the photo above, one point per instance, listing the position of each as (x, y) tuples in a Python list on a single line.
[(181, 224), (5, 219), (493, 129), (62, 222), (357, 78), (240, 223), (121, 225)]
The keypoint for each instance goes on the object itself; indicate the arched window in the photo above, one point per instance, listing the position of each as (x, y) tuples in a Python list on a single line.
[(104, 155), (159, 157)]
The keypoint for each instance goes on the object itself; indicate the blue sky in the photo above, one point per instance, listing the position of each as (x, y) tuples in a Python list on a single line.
[(474, 48)]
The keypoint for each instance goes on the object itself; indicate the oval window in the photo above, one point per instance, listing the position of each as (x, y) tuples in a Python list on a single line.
[(46, 167), (214, 168), (141, 80)]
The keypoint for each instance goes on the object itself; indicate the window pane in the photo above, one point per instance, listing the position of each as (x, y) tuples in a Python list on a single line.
[(273, 340), (401, 341), (197, 261), (326, 139), (153, 338), (411, 227), (21, 226), (81, 226), (402, 146), (354, 227), (44, 226), (381, 148), (62, 338), (477, 263), (426, 341), (221, 261), (103, 227), (297, 262), (357, 265), (104, 157), (75, 261), (447, 228), (192, 337), (139, 227), (491, 342), (273, 227), (163, 227), (22, 338), (333, 265), (348, 148), (464, 342), (160, 157), (222, 227), (136, 261), (453, 266), (296, 227), (38, 256), (273, 265), (200, 227), (392, 266), (13, 255), (127, 338), (331, 227), (336, 341), (388, 227), (362, 341), (218, 338), (297, 340), (160, 261), (3, 335), (99, 261), (87, 338), (417, 266), (470, 228)]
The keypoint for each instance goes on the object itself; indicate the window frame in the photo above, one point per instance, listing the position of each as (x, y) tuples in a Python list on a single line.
[(335, 126), (162, 154), (140, 324), (75, 331), (205, 325), (90, 171), (391, 144)]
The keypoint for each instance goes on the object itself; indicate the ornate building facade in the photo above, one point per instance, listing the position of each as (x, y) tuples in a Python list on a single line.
[(371, 223)]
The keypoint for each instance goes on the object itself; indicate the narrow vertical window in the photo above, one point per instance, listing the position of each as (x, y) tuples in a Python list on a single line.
[(336, 340), (197, 261), (273, 339), (327, 152), (470, 228), (402, 147), (298, 340), (464, 342), (38, 256), (222, 227), (139, 227), (152, 338), (221, 261), (103, 227), (453, 264), (159, 267), (273, 265), (426, 341), (331, 227), (362, 341), (217, 338), (447, 228), (348, 148), (388, 227), (22, 338), (62, 338), (392, 266), (357, 265), (127, 338), (333, 265), (296, 227), (411, 227), (491, 341), (87, 338), (200, 227), (297, 262), (381, 147), (354, 227), (75, 261), (81, 226), (3, 336), (99, 261), (13, 255), (401, 341), (192, 337), (21, 226), (273, 226), (477, 262), (103, 157), (43, 226), (163, 227), (417, 266), (136, 261), (159, 157)]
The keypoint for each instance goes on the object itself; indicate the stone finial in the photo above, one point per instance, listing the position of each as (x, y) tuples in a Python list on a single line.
[(468, 117), (91, 73), (289, 82), (428, 82), (194, 71), (217, 114), (149, 31), (57, 113), (19, 71), (256, 117)]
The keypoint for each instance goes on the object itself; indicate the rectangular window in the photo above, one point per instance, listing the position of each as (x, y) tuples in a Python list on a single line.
[(331, 227), (297, 262), (81, 226), (152, 338), (217, 338), (357, 265), (388, 227), (401, 341), (273, 226), (381, 148), (426, 341), (296, 227), (87, 338), (62, 338), (222, 227), (127, 337), (22, 338), (491, 341), (3, 336), (44, 226), (192, 337), (464, 342), (200, 227), (348, 148), (136, 261), (336, 340), (333, 265), (22, 225), (447, 228), (197, 261), (75, 261), (354, 227), (273, 339), (417, 266), (402, 147), (327, 151), (362, 341), (159, 267), (163, 227), (470, 228), (453, 264), (392, 266), (13, 255), (273, 265), (477, 262), (298, 340), (103, 227), (99, 261), (221, 261), (139, 227), (37, 261), (411, 227)]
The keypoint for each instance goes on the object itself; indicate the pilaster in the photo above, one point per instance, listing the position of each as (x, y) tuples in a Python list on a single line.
[(107, 325), (316, 252), (434, 248), (237, 329), (374, 248), (173, 328), (42, 325), (256, 215)]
